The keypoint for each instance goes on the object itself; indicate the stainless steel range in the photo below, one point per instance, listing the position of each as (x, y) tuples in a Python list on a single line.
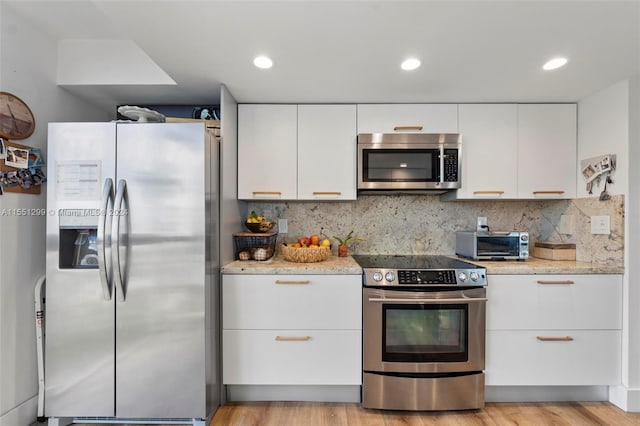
[(423, 333)]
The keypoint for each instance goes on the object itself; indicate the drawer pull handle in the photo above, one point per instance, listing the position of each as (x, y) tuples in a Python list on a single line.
[(488, 192), (302, 282), (327, 193), (555, 339), (396, 128), (267, 193), (293, 338), (548, 192), (565, 282)]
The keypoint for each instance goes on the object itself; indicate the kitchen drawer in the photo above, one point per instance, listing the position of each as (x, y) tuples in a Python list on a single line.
[(430, 118), (520, 358), (536, 302), (319, 357), (330, 302)]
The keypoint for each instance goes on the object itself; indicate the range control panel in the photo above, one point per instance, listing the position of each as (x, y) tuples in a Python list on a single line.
[(413, 277)]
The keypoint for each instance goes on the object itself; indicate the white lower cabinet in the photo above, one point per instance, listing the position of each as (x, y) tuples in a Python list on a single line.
[(292, 357), (557, 357), (545, 330), (292, 329)]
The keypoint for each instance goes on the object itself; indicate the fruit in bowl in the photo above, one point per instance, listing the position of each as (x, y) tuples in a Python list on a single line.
[(257, 223)]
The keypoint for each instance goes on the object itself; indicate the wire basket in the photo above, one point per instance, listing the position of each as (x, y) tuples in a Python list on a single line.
[(306, 254), (254, 246)]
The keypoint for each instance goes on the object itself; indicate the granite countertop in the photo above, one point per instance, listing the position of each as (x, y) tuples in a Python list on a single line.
[(277, 265), (534, 266), (348, 266)]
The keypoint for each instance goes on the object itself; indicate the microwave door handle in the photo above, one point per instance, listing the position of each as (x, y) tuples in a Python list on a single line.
[(106, 272), (115, 238), (441, 164)]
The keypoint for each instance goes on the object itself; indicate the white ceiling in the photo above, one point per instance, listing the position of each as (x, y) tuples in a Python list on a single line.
[(350, 51)]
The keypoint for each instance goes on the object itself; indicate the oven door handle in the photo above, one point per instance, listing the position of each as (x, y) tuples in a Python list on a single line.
[(460, 300)]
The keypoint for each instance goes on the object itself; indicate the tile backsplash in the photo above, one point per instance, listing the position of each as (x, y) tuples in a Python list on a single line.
[(422, 224)]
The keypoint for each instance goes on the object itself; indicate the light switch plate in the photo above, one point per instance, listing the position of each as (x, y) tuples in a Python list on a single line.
[(601, 225), (283, 226)]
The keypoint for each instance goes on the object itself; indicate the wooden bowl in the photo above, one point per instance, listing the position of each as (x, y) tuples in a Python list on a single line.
[(261, 227)]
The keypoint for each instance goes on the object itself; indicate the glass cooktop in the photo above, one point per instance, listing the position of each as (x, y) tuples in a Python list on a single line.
[(421, 262)]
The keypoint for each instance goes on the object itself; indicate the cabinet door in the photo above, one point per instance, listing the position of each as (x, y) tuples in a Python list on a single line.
[(292, 357), (326, 152), (329, 302), (414, 118), (550, 302), (562, 357), (547, 151), (489, 151), (267, 152)]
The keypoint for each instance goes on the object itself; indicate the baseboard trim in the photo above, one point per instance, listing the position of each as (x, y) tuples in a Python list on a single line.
[(22, 415), (323, 393), (546, 393), (626, 398)]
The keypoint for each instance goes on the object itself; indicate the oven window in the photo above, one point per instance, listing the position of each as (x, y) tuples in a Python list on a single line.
[(400, 165), (425, 333)]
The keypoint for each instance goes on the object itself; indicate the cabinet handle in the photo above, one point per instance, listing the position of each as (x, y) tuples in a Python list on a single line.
[(292, 338), (293, 282), (407, 128), (555, 339), (327, 193), (565, 282), (548, 192), (267, 193), (488, 192)]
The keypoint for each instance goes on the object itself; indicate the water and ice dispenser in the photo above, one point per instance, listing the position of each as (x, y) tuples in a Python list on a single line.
[(78, 240)]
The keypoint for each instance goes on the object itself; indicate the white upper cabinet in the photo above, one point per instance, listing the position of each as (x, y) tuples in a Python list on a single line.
[(297, 152), (517, 151), (547, 150), (267, 151), (326, 152), (413, 118), (489, 151)]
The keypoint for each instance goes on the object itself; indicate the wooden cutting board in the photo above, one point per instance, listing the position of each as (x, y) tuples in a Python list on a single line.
[(554, 251), (555, 245)]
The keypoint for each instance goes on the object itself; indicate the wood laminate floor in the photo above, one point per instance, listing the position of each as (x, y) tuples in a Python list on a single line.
[(338, 414)]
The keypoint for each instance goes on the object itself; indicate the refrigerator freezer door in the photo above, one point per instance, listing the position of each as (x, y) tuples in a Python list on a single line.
[(160, 326), (79, 354)]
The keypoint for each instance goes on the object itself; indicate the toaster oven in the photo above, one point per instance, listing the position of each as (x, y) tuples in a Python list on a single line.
[(512, 245)]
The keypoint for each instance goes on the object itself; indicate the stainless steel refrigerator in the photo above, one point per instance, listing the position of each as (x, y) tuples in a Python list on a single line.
[(132, 272)]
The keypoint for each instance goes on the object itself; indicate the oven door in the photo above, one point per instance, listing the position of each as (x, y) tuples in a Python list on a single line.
[(423, 332), (399, 167)]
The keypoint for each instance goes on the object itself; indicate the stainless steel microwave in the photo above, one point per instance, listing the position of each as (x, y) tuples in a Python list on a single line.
[(408, 162), (493, 245)]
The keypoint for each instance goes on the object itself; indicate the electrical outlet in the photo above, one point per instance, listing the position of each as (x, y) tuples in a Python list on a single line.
[(482, 224), (601, 225), (566, 224), (283, 226)]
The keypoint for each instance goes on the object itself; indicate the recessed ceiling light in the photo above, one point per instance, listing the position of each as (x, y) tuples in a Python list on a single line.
[(554, 63), (410, 64), (263, 62)]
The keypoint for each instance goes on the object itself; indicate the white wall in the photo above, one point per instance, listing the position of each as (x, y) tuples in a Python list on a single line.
[(633, 244), (230, 207), (603, 129), (608, 123), (28, 69)]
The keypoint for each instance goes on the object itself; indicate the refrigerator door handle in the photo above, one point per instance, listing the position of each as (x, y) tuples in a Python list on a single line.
[(106, 272), (115, 238)]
